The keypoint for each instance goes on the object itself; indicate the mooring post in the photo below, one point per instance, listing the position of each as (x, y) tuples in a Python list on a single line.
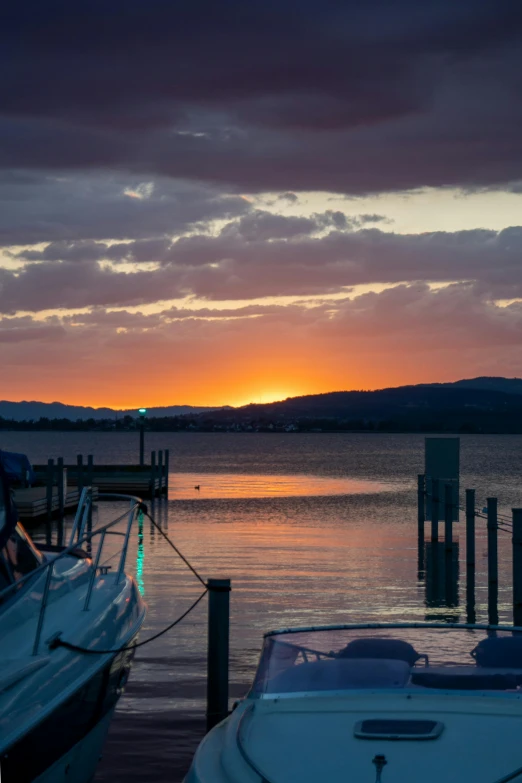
[(517, 566), (434, 509), (470, 528), (160, 472), (152, 474), (492, 561), (61, 494), (90, 470), (167, 455), (79, 479), (49, 484), (218, 646), (470, 556)]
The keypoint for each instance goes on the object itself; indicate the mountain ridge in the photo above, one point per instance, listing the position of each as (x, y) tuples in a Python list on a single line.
[(483, 390)]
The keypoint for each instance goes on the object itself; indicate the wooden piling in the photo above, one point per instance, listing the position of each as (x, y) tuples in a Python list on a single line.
[(153, 474), (470, 556), (434, 509), (49, 484), (517, 566), (218, 650), (160, 472), (79, 467), (61, 494), (492, 527), (470, 527), (167, 456), (90, 470)]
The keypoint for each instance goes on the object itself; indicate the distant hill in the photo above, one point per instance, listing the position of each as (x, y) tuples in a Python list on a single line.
[(382, 403), (474, 405), (485, 404), (508, 385), (28, 411)]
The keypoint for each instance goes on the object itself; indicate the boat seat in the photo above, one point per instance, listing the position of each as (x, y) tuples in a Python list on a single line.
[(499, 652), (395, 649), (339, 674), (464, 678)]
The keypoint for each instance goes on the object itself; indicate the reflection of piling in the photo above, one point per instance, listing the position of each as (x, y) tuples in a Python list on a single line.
[(517, 566), (492, 562), (160, 471), (421, 513), (218, 649), (442, 571), (448, 544), (434, 509)]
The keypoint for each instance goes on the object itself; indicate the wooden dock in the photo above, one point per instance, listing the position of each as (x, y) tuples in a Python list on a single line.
[(148, 481), (58, 485), (31, 502)]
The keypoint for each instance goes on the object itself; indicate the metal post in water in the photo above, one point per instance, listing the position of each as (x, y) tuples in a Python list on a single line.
[(49, 484), (167, 472), (218, 646), (153, 474), (492, 561), (160, 472), (434, 509), (470, 556), (517, 566)]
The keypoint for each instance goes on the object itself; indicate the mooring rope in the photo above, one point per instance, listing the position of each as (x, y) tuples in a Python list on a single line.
[(58, 642)]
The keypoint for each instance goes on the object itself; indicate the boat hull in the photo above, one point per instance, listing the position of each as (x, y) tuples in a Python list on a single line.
[(67, 744), (79, 764)]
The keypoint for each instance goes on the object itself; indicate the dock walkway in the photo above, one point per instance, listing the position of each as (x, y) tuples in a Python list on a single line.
[(59, 485)]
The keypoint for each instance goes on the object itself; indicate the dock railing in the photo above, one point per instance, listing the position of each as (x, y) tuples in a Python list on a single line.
[(79, 538)]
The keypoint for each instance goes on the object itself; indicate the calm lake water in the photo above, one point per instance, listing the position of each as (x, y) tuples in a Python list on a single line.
[(310, 528)]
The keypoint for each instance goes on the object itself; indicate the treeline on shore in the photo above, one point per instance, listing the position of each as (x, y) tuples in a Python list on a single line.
[(449, 421)]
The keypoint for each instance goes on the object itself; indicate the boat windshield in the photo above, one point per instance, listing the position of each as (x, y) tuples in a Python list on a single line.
[(390, 657)]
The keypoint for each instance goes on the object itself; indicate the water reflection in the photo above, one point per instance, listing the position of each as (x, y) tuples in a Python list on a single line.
[(194, 486), (140, 556), (442, 576)]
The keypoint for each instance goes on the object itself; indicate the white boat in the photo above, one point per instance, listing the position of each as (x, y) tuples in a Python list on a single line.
[(379, 703), (56, 703)]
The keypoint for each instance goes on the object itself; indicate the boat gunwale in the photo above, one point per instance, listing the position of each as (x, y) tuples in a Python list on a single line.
[(384, 626)]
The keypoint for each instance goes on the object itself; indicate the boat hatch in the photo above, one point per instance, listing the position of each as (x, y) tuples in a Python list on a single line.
[(398, 729)]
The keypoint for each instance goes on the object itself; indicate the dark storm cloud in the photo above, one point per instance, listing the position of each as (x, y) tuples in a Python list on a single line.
[(341, 96), (62, 209)]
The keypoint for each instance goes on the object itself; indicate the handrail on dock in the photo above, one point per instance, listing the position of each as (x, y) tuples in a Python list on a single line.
[(80, 522)]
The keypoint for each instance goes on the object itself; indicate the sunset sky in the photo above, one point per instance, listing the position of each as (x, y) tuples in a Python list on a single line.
[(218, 202)]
